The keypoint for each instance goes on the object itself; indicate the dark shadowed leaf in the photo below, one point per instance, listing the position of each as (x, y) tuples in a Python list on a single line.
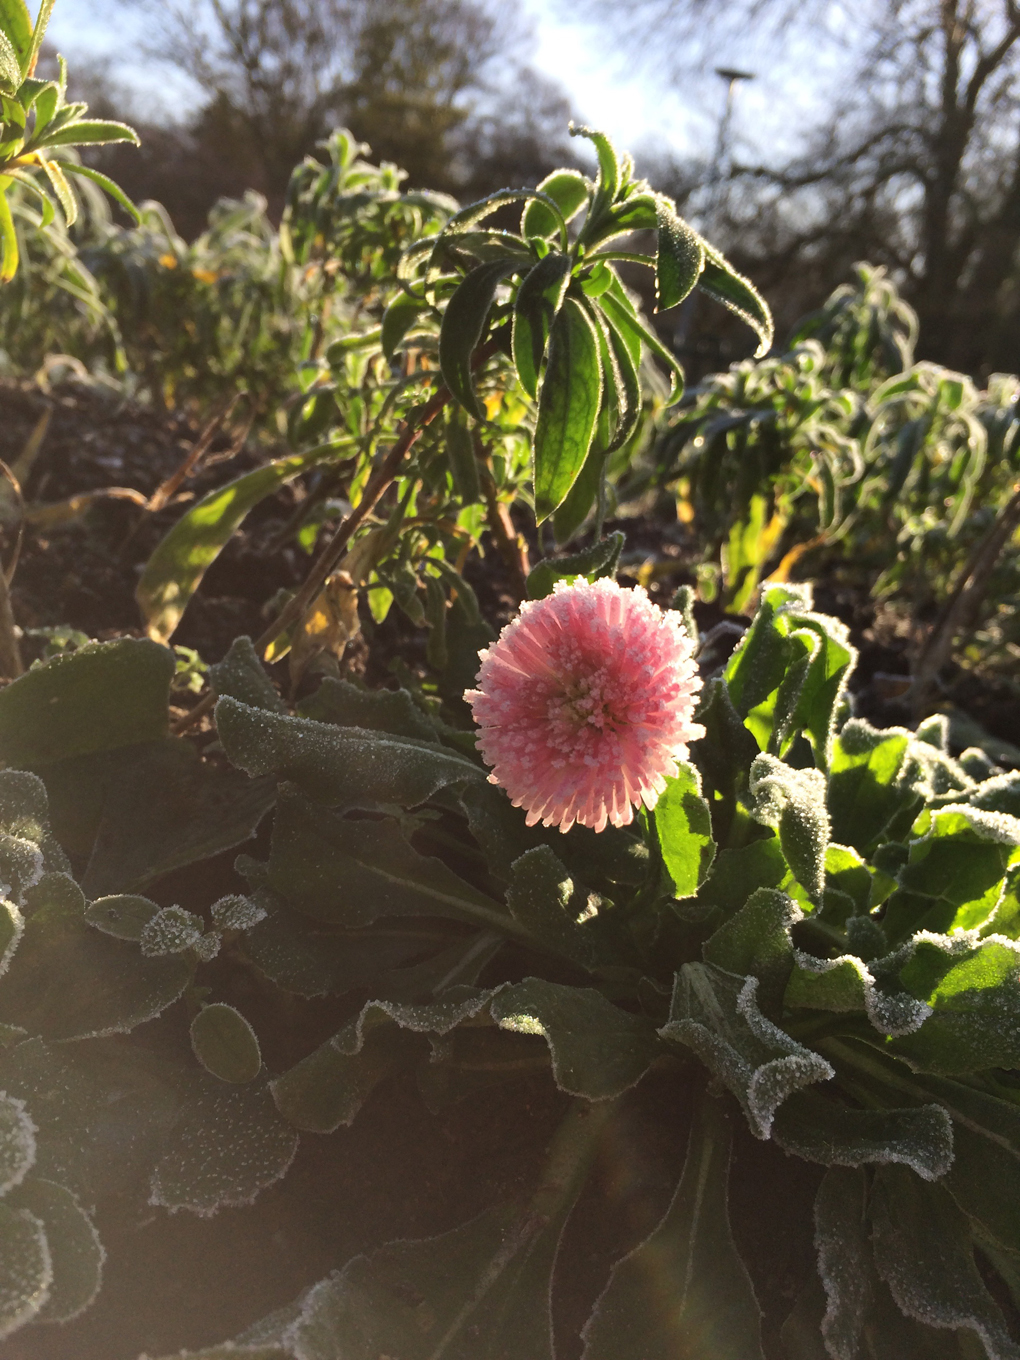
[(76, 1254), (102, 696), (463, 324), (684, 1293)]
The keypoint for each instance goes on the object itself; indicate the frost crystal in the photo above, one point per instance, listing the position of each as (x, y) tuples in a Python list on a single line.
[(586, 703), (237, 913), (171, 931)]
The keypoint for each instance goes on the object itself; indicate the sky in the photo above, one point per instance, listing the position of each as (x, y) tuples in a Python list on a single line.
[(640, 113)]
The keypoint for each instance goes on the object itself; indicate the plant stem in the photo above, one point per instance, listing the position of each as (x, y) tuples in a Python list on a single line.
[(11, 664), (960, 610), (377, 484)]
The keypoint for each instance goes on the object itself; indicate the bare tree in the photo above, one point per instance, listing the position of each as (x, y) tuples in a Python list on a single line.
[(405, 75), (915, 162)]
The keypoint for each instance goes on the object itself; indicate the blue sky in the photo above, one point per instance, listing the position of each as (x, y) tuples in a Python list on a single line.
[(637, 110)]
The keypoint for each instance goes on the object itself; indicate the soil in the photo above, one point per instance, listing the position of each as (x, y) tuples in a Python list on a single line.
[(400, 1171)]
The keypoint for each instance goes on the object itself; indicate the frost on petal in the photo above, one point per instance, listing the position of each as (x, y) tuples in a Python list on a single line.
[(586, 703)]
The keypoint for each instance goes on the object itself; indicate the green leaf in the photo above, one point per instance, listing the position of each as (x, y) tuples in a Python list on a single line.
[(106, 184), (684, 1293), (793, 802), (844, 1260), (717, 1017), (16, 24), (96, 698), (227, 1146), (225, 1044), (757, 667), (598, 1050), (608, 182), (958, 859), (76, 1253), (923, 1251), (557, 911), (26, 1270), (346, 766), (42, 20), (174, 571), (462, 327), (376, 710), (728, 749), (569, 191), (62, 189), (349, 873), (598, 560), (92, 132), (303, 958), (568, 407), (398, 318), (865, 793), (756, 942), (635, 334), (101, 1111), (680, 258), (535, 309), (821, 1130), (10, 65), (973, 989), (17, 1142), (133, 814), (984, 1178), (327, 1088), (123, 916), (68, 981), (683, 824), (481, 1292), (460, 452), (8, 236), (241, 675), (722, 282)]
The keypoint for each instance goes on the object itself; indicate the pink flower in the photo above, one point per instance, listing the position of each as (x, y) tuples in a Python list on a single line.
[(584, 704)]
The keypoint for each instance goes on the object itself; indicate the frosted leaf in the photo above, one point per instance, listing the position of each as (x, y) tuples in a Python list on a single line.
[(347, 766), (225, 1044), (21, 867), (12, 927), (895, 1014), (327, 1088), (793, 801), (846, 984), (717, 1016), (923, 1251), (123, 916), (26, 1270), (598, 1051), (986, 825), (931, 773), (934, 731), (1001, 794), (844, 1260), (227, 1147), (76, 1253), (68, 980), (171, 931), (857, 736), (208, 946), (237, 912), (980, 767), (17, 1142), (825, 1131)]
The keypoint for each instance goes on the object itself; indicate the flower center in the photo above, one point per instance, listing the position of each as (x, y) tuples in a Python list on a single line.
[(584, 701)]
